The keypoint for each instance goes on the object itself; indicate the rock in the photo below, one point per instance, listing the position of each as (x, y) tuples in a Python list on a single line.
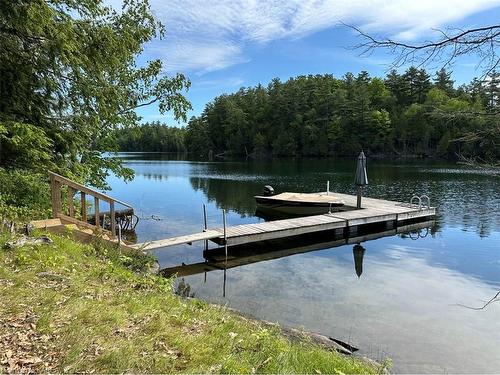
[(154, 268)]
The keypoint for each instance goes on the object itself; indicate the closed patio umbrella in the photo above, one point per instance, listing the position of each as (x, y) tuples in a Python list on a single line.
[(361, 178)]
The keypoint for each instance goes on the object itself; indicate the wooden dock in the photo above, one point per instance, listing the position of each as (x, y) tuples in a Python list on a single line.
[(373, 211), (242, 255)]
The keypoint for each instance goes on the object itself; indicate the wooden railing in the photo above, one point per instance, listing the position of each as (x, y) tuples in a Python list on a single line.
[(57, 181)]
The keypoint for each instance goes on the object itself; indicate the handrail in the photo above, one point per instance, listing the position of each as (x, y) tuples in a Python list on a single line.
[(56, 181), (419, 201), (87, 190), (428, 205)]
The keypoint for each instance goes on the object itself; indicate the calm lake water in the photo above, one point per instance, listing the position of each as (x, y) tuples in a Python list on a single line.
[(408, 303)]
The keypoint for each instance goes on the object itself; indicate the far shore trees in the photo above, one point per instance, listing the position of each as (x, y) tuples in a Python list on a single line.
[(412, 113)]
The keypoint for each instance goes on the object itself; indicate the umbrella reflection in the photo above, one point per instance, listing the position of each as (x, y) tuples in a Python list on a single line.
[(358, 251)]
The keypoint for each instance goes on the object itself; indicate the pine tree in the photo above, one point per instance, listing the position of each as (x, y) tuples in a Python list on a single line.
[(444, 82)]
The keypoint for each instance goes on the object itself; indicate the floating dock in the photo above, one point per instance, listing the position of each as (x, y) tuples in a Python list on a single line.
[(373, 211), (240, 255)]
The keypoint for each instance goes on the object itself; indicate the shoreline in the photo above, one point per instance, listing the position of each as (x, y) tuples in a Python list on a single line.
[(85, 308)]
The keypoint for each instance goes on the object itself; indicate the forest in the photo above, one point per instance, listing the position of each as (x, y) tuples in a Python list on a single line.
[(408, 114), (151, 137)]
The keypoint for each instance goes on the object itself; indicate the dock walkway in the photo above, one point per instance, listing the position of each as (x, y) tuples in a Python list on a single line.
[(373, 211)]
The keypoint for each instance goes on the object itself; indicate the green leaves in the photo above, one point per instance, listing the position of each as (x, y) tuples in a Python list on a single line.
[(24, 144), (69, 78)]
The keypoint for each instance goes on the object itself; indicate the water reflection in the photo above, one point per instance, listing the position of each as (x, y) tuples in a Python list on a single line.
[(399, 297), (241, 255), (358, 252)]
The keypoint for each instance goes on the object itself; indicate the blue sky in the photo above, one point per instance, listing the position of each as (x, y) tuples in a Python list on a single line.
[(224, 45)]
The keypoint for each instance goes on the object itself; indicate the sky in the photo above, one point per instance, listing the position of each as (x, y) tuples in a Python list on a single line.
[(222, 46)]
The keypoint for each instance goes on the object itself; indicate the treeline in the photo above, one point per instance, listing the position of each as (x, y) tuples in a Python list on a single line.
[(320, 115), (151, 137)]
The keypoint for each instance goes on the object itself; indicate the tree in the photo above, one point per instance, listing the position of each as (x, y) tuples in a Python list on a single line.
[(69, 78), (481, 43), (492, 90), (443, 81)]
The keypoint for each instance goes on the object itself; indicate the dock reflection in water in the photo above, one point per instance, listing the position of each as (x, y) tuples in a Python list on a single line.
[(241, 255)]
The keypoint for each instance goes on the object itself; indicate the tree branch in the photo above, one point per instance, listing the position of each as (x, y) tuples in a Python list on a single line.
[(481, 41)]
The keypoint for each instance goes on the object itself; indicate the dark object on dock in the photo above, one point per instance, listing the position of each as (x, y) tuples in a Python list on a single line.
[(300, 203), (361, 178), (125, 218), (268, 191)]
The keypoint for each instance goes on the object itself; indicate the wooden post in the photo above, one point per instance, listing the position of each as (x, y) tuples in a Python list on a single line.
[(55, 189), (205, 217), (113, 219), (206, 223), (224, 285), (83, 198), (225, 232), (360, 192), (71, 206), (96, 211)]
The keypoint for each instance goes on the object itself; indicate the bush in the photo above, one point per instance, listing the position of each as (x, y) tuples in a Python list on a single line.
[(24, 195)]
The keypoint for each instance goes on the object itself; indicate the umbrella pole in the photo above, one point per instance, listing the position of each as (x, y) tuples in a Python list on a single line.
[(360, 192)]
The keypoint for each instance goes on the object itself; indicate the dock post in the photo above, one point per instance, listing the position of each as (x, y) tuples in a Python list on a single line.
[(225, 232), (224, 284), (205, 217), (328, 187), (205, 228)]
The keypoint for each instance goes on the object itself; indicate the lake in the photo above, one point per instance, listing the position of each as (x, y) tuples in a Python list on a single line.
[(414, 297)]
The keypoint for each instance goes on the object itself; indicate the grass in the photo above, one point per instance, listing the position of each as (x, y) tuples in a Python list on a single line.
[(69, 307)]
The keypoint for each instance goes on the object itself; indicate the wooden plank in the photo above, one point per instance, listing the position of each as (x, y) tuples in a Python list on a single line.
[(416, 214), (83, 199), (207, 235), (56, 197), (47, 223), (113, 218), (286, 232), (96, 211), (71, 205), (65, 218)]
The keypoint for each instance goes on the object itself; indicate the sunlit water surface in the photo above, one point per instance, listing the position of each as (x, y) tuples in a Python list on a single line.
[(410, 301)]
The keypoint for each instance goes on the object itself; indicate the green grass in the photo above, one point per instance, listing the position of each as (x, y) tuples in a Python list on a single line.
[(89, 312)]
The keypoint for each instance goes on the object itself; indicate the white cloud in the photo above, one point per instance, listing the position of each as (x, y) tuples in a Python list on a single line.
[(212, 35), (180, 54)]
